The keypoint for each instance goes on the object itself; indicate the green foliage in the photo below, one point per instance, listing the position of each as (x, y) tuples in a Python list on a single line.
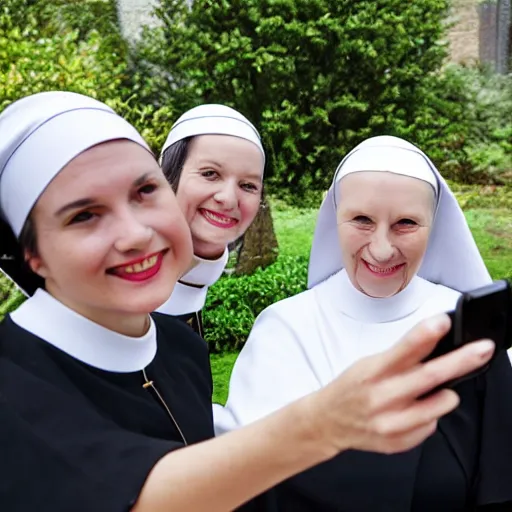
[(222, 364), (316, 76), (482, 197), (233, 303), (42, 51), (465, 125), (10, 296)]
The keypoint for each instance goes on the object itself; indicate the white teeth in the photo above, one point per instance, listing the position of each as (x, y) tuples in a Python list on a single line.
[(382, 270), (216, 218), (140, 267)]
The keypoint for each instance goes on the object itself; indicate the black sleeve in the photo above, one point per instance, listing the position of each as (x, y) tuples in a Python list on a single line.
[(494, 488), (57, 454)]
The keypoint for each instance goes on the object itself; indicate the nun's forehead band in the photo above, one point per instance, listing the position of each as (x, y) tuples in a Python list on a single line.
[(199, 118), (212, 119), (428, 177), (37, 127), (40, 135)]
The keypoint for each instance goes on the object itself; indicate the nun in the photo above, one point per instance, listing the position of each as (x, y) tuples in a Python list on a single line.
[(391, 247), (214, 160), (105, 405)]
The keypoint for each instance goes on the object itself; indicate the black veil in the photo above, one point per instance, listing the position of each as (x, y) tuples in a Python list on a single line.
[(12, 262)]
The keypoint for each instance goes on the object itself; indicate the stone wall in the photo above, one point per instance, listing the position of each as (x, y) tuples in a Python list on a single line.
[(464, 35), (134, 14)]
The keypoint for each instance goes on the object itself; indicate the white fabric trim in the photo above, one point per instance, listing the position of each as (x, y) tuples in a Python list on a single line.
[(387, 159), (189, 299), (46, 317), (213, 119)]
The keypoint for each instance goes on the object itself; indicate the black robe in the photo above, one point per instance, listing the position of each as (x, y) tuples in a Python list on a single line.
[(465, 465), (75, 438), (194, 321)]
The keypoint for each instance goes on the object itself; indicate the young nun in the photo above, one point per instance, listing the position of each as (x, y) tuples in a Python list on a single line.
[(214, 160), (106, 407), (391, 247)]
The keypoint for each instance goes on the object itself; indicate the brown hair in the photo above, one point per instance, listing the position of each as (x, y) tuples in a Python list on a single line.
[(173, 160)]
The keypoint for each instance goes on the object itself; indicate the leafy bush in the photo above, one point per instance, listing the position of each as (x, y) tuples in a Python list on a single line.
[(10, 296), (465, 124), (483, 197), (35, 57), (233, 303), (316, 76)]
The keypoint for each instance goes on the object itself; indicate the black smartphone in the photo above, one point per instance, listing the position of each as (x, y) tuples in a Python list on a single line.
[(482, 313)]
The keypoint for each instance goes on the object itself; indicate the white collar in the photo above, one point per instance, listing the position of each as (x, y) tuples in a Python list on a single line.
[(190, 299), (341, 293), (46, 317), (206, 272)]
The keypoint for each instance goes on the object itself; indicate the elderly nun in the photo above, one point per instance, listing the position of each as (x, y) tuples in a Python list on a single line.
[(391, 247)]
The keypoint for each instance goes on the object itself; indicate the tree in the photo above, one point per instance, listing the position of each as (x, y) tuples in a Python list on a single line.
[(316, 76), (259, 246)]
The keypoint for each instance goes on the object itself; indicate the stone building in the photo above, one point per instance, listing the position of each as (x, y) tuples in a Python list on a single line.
[(480, 32)]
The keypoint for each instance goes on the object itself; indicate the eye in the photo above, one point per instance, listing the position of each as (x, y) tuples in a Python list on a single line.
[(362, 219), (406, 222), (82, 217), (209, 173), (147, 189), (250, 187)]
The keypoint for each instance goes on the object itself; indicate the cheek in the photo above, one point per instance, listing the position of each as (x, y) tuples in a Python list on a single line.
[(72, 255), (172, 225), (191, 196), (249, 207), (351, 241), (414, 247)]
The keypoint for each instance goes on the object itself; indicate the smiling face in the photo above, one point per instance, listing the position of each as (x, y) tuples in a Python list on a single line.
[(384, 222), (220, 190), (111, 239)]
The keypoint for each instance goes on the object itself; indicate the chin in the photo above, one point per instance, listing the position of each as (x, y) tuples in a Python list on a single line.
[(379, 293), (146, 302)]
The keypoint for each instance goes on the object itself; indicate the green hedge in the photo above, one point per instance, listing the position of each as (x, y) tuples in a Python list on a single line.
[(233, 303)]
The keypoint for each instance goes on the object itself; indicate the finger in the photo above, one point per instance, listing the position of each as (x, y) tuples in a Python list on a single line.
[(401, 443), (415, 346), (418, 414), (436, 372)]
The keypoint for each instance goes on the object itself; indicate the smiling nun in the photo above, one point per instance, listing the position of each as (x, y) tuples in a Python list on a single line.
[(105, 405), (391, 247), (214, 160)]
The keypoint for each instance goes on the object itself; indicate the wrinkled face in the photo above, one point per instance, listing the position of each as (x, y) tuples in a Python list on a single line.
[(112, 240), (220, 190), (384, 221)]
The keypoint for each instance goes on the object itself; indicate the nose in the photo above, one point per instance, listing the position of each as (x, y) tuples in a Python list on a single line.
[(381, 249), (133, 234), (227, 195)]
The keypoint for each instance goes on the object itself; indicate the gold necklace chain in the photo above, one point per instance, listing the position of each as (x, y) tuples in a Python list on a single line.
[(150, 384)]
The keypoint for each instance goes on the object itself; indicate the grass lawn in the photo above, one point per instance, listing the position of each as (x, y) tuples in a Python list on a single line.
[(491, 228)]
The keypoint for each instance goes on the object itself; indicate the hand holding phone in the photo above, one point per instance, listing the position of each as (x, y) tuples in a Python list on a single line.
[(482, 313)]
